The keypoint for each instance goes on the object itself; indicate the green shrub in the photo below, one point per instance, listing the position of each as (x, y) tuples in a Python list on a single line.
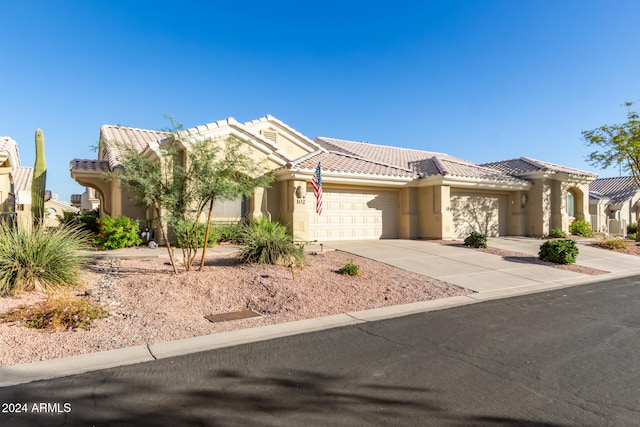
[(87, 221), (613, 243), (557, 233), (182, 238), (58, 313), (476, 240), (559, 251), (350, 269), (632, 228), (39, 259), (267, 242), (580, 227), (229, 232), (117, 233), (633, 236)]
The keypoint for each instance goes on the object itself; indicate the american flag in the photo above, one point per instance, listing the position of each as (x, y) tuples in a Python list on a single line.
[(316, 183)]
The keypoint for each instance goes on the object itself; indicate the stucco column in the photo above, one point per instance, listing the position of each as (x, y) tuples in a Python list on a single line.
[(435, 220), (538, 208), (407, 214), (445, 212), (296, 192), (258, 204)]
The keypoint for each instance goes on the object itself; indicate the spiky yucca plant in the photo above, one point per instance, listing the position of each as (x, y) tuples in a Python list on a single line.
[(267, 242), (39, 259)]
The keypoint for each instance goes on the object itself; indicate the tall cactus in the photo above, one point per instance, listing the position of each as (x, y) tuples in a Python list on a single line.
[(39, 180)]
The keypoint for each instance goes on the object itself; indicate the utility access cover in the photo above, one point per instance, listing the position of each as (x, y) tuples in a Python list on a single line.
[(232, 315)]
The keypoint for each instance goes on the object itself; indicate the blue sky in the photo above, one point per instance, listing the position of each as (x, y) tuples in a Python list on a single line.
[(481, 80)]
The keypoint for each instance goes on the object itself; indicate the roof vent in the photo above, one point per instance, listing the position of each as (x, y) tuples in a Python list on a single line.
[(271, 135)]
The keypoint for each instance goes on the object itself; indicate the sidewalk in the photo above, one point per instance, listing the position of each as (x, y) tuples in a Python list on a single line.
[(489, 276)]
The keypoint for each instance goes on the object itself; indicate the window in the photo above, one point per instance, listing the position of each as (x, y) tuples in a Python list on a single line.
[(570, 205)]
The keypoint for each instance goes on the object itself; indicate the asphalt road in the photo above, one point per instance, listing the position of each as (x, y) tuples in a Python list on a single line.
[(561, 358)]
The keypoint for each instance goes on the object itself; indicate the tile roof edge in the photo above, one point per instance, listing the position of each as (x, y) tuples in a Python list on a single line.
[(438, 164), (272, 119), (325, 141), (353, 156), (435, 153)]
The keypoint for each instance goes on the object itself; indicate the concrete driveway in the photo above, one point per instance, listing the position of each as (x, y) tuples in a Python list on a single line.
[(484, 272)]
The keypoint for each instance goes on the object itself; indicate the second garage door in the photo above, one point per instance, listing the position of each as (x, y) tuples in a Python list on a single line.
[(485, 213), (366, 214)]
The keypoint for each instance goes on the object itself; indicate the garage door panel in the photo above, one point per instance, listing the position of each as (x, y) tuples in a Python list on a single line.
[(354, 215), (485, 213)]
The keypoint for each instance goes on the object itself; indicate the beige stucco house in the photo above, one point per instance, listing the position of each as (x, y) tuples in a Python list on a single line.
[(370, 191), (9, 162), (15, 189), (614, 203)]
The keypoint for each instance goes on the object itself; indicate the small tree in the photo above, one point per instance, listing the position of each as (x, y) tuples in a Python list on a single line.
[(182, 176), (150, 186), (619, 144), (232, 178)]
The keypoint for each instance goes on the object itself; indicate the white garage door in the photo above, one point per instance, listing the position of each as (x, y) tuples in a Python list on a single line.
[(485, 213), (354, 215)]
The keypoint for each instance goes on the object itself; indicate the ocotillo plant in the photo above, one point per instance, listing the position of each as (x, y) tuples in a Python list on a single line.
[(39, 180)]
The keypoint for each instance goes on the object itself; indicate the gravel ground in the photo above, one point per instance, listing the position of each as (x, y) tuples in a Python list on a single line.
[(149, 304)]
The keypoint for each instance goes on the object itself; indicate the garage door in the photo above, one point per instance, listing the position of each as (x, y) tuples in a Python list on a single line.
[(486, 213), (354, 215)]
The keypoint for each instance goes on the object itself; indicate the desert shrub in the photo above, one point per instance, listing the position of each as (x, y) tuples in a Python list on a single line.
[(229, 232), (633, 236), (559, 251), (557, 233), (632, 228), (182, 238), (58, 313), (39, 258), (267, 242), (476, 240), (88, 220), (350, 269), (580, 227), (118, 233), (613, 243)]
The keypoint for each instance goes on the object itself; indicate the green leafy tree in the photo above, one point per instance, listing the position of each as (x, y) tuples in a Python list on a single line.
[(617, 144), (231, 177), (144, 175), (183, 175)]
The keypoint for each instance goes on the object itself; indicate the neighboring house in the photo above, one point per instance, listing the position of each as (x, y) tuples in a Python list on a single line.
[(9, 162), (369, 191), (614, 203), (23, 177), (87, 201)]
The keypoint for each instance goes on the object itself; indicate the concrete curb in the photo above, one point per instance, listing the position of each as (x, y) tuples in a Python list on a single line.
[(65, 366)]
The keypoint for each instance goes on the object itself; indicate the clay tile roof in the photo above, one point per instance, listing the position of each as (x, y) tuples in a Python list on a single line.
[(447, 166), (524, 165), (137, 138), (619, 189), (340, 162), (7, 143), (22, 178), (396, 156), (89, 165), (423, 163)]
